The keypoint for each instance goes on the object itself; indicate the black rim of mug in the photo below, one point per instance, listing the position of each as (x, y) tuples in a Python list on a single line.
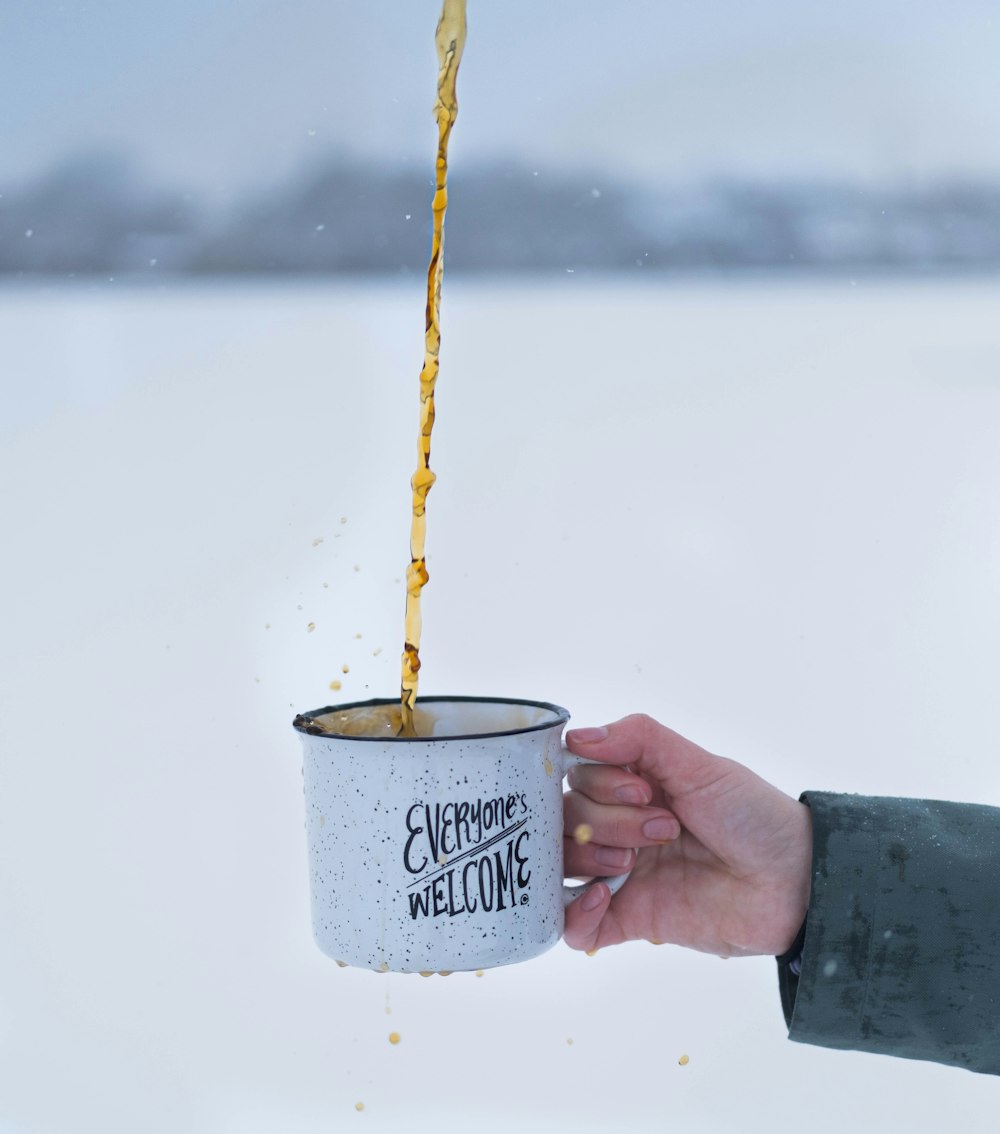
[(303, 723)]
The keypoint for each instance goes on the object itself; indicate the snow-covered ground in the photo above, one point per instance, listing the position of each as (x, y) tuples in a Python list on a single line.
[(765, 513)]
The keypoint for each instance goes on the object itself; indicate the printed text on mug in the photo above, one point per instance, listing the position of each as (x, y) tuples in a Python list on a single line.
[(467, 855)]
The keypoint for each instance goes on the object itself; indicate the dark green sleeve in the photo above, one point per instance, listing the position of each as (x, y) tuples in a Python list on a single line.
[(901, 952)]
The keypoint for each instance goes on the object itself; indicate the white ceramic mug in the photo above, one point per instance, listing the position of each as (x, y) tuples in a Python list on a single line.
[(441, 852)]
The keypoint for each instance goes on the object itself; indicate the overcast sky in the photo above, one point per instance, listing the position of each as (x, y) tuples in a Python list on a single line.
[(221, 94)]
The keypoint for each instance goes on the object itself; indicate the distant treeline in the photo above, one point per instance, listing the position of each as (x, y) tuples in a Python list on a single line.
[(97, 214)]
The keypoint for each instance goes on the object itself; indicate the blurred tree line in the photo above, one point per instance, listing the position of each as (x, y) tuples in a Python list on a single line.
[(98, 214)]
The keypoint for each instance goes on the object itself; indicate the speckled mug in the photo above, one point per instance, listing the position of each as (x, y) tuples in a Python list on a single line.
[(442, 852)]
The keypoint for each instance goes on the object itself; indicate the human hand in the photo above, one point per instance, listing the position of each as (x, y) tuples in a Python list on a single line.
[(724, 868)]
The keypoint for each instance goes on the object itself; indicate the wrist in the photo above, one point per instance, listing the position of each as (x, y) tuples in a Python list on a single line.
[(798, 881)]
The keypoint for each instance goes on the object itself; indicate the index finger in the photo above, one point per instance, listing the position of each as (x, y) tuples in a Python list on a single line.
[(656, 752)]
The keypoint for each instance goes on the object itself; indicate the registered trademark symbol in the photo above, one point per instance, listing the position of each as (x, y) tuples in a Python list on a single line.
[(524, 899)]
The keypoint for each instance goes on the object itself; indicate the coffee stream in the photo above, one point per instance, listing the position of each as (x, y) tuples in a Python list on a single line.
[(450, 39)]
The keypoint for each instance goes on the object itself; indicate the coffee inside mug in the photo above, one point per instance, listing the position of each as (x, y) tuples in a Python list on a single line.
[(449, 718)]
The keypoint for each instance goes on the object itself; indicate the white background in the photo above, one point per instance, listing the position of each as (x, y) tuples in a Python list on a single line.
[(764, 513)]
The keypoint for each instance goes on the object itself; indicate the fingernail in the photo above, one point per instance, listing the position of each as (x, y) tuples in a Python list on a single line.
[(592, 899), (661, 830), (615, 857), (587, 735), (631, 793)]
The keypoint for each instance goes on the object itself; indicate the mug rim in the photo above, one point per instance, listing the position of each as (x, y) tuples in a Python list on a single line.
[(302, 720)]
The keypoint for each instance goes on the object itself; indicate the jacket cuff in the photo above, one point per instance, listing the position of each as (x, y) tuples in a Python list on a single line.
[(902, 934), (789, 968)]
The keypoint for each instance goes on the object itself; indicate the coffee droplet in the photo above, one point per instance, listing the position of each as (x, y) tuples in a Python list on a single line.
[(445, 972), (335, 685), (683, 1061), (480, 972), (570, 1042), (359, 1106), (591, 952), (425, 972), (394, 1037), (317, 541), (548, 767), (357, 636), (583, 833), (311, 627), (342, 964), (345, 669)]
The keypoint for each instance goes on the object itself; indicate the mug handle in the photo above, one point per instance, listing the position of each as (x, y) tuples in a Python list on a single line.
[(571, 893)]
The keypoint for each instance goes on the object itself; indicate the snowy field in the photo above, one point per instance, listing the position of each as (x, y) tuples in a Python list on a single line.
[(766, 513)]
